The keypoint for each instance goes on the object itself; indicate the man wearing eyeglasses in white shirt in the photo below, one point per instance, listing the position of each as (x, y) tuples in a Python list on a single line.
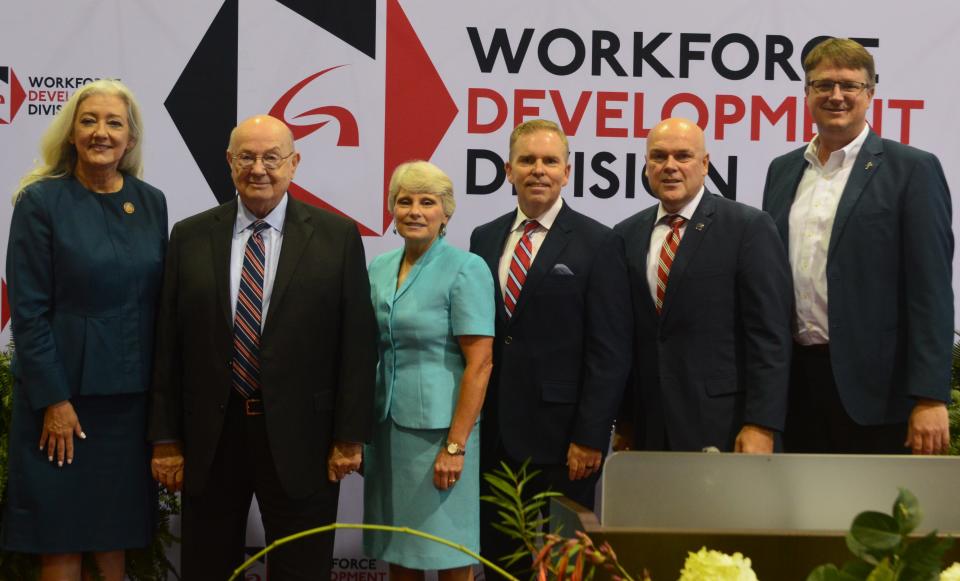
[(866, 222)]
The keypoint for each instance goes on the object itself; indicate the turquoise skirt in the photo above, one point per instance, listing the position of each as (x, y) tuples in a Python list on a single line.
[(398, 490)]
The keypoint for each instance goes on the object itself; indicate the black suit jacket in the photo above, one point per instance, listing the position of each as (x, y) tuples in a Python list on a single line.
[(718, 356), (889, 277), (561, 362), (317, 355)]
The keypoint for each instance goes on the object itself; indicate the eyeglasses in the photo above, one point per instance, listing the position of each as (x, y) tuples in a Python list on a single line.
[(269, 160), (825, 87)]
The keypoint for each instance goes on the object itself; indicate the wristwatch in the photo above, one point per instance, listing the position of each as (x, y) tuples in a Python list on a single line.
[(455, 449)]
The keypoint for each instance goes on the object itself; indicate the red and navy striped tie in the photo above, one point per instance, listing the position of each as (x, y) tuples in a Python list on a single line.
[(519, 265), (246, 324)]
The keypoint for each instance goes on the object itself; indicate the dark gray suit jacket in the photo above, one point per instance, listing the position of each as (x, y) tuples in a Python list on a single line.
[(718, 356), (889, 277), (318, 347)]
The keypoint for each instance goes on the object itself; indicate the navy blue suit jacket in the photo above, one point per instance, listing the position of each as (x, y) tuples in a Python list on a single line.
[(561, 362), (718, 356), (889, 275)]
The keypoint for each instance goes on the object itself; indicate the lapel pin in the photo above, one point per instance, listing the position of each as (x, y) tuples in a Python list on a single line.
[(699, 226), (129, 208), (869, 165)]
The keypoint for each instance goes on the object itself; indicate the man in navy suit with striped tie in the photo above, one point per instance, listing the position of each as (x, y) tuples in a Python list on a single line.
[(264, 369), (562, 350)]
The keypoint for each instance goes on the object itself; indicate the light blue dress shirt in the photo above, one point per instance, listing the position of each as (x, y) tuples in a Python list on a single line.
[(272, 241), (448, 293)]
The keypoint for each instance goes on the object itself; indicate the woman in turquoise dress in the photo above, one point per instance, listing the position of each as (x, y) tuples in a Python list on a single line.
[(84, 263), (435, 313)]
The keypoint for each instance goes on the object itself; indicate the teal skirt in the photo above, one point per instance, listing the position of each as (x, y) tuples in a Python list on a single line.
[(398, 490)]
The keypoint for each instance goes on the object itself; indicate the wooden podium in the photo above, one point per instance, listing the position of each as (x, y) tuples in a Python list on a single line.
[(788, 513)]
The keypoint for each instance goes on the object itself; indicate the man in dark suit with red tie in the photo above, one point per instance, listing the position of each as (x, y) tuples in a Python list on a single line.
[(562, 348), (711, 300), (265, 361)]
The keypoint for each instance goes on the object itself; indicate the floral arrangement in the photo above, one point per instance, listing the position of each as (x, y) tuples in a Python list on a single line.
[(714, 565)]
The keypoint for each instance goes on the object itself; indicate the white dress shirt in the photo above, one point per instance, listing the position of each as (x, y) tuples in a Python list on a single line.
[(272, 240), (811, 223), (660, 230), (536, 238)]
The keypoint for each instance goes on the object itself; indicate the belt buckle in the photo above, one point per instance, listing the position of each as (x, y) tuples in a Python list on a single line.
[(253, 406)]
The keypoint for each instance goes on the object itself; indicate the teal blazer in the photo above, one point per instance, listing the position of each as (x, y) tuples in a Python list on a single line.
[(84, 273), (447, 294)]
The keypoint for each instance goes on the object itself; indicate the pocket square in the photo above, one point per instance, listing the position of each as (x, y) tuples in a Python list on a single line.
[(561, 269)]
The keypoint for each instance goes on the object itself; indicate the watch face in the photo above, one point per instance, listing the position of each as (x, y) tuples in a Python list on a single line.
[(452, 448)]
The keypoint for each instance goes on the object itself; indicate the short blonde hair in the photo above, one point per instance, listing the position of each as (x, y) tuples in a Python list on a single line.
[(534, 125), (59, 156), (842, 53), (422, 177)]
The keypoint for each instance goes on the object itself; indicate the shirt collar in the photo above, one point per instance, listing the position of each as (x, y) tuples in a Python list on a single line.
[(275, 218), (687, 211), (545, 220), (846, 155)]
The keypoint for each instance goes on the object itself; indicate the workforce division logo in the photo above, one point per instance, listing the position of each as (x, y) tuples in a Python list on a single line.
[(356, 112), (12, 95)]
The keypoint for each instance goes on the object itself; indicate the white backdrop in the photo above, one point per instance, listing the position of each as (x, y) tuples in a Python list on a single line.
[(448, 80)]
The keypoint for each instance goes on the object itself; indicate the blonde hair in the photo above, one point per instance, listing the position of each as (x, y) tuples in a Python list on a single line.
[(534, 125), (59, 156), (422, 177)]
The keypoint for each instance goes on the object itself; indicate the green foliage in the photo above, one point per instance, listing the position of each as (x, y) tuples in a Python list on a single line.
[(954, 407), (880, 544), (147, 564)]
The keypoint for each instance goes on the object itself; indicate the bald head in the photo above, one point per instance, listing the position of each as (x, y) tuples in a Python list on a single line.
[(677, 162), (255, 143)]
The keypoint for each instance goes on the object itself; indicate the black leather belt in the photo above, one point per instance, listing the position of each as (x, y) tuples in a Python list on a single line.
[(253, 407)]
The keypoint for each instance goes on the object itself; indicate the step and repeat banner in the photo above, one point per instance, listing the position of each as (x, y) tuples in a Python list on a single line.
[(368, 84)]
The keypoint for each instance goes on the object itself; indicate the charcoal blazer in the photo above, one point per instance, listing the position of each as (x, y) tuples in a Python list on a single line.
[(718, 356), (561, 361), (318, 345), (889, 276)]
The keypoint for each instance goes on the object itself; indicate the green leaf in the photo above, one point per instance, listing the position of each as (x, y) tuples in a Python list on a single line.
[(882, 572), (874, 533), (859, 569), (923, 558), (906, 511), (831, 573)]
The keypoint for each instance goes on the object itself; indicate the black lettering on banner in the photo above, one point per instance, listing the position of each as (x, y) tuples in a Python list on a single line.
[(613, 182), (644, 54), (778, 52), (606, 44), (473, 157), (579, 52), (499, 45), (753, 56), (687, 54), (727, 188)]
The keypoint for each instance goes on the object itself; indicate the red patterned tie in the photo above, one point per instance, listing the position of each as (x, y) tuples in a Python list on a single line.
[(519, 265), (667, 252), (246, 325)]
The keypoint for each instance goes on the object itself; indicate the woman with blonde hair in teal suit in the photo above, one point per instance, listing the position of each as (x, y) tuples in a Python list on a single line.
[(435, 312), (84, 263)]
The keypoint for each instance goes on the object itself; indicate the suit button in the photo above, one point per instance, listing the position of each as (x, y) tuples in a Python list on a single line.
[(229, 363), (507, 340), (223, 407)]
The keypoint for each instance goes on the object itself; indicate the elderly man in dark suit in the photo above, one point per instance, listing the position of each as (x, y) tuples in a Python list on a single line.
[(264, 367), (866, 222), (711, 299), (562, 347)]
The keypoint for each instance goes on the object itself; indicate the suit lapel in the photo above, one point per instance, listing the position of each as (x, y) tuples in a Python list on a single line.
[(492, 252), (551, 247), (692, 237), (221, 236), (637, 261), (781, 215), (864, 168), (297, 231), (417, 268)]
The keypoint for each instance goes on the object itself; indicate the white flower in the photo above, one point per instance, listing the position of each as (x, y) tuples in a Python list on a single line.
[(951, 574), (707, 565)]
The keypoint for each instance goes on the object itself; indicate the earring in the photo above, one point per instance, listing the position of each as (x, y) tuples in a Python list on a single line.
[(443, 230), (394, 229)]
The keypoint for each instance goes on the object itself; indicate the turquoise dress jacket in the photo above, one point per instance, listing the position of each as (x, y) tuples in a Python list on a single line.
[(447, 294)]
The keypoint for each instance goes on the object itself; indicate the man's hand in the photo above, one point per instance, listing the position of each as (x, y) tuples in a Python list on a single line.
[(929, 428), (344, 459), (60, 424), (582, 461), (623, 438), (167, 465), (754, 440)]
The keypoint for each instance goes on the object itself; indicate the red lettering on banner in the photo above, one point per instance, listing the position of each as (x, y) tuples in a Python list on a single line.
[(570, 124), (520, 109), (723, 118), (905, 106), (876, 124), (703, 116), (638, 125), (759, 106), (473, 124), (604, 113)]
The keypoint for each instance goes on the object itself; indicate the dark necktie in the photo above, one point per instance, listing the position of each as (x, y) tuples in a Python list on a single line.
[(519, 265), (246, 324)]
